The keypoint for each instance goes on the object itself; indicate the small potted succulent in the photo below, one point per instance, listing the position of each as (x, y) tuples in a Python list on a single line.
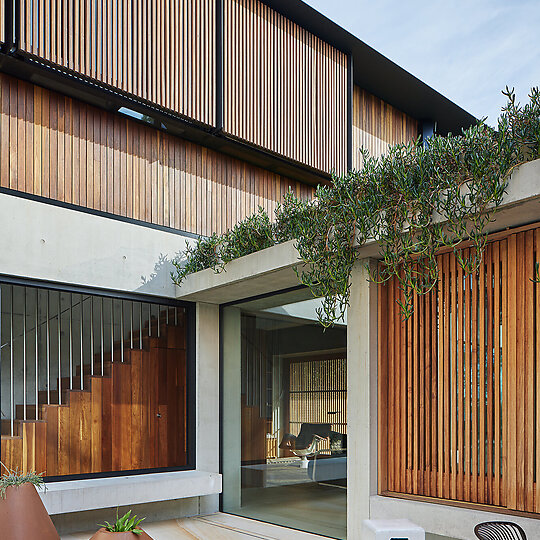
[(22, 513), (124, 528)]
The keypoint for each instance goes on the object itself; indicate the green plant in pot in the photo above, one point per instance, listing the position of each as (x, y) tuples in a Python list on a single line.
[(123, 528), (22, 513)]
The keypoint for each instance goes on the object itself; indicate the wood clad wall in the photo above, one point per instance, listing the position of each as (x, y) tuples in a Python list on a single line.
[(59, 148), (284, 89), (460, 384), (162, 51), (133, 418), (377, 125)]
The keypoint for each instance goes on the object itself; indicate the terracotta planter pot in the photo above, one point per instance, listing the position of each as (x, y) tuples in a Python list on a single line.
[(23, 516), (103, 534)]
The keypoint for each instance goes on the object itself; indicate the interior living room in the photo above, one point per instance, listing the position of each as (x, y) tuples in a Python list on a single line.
[(285, 390)]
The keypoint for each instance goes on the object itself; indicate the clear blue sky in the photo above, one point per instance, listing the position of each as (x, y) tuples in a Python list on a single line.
[(468, 50)]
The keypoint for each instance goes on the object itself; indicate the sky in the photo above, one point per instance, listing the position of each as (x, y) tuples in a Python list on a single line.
[(468, 50)]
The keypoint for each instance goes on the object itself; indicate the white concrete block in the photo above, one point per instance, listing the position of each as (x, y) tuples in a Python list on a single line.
[(44, 241), (392, 529), (94, 493)]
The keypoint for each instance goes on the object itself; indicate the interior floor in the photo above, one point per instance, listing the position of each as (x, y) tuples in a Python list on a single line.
[(310, 507)]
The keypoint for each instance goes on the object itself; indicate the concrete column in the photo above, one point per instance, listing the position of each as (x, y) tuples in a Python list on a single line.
[(207, 429), (232, 411), (361, 397)]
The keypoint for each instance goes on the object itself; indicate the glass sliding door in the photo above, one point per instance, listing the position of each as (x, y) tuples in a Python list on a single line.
[(285, 415)]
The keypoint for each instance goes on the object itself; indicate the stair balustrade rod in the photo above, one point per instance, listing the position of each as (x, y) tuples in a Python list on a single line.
[(140, 325), (158, 314), (102, 335), (37, 353), (91, 335), (81, 326), (48, 353), (112, 330), (59, 348), (149, 320), (121, 330), (12, 386), (24, 354), (71, 341), (131, 333)]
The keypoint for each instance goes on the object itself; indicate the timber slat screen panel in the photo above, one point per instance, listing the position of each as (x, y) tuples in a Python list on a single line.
[(284, 89), (161, 51), (318, 394), (459, 382), (62, 149), (377, 125)]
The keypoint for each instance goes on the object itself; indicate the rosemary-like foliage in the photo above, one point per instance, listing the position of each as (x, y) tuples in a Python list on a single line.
[(414, 200), (16, 478)]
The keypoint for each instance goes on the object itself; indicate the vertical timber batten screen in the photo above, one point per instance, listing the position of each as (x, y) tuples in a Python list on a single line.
[(284, 89), (161, 51), (459, 384), (377, 126), (62, 149)]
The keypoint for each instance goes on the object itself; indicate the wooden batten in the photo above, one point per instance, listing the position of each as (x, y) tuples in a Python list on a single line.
[(161, 51), (465, 428), (59, 148), (376, 125), (284, 88)]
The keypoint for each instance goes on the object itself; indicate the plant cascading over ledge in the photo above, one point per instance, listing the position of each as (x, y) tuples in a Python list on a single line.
[(414, 200)]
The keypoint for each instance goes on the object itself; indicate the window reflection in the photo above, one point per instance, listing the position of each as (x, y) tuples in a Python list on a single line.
[(292, 456)]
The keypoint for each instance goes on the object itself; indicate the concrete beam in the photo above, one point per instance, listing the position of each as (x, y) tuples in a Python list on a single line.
[(361, 397), (48, 242), (207, 396), (232, 408), (266, 271)]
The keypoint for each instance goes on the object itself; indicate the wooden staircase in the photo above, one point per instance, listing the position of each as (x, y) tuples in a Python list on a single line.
[(131, 417)]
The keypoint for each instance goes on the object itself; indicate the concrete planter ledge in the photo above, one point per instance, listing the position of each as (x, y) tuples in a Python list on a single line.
[(262, 272), (95, 493), (271, 269)]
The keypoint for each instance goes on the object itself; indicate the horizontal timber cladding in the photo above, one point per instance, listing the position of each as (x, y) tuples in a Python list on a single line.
[(460, 384), (162, 51), (377, 125), (284, 89), (60, 148)]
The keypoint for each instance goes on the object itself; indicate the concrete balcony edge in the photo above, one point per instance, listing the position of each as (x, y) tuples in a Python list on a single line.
[(271, 269)]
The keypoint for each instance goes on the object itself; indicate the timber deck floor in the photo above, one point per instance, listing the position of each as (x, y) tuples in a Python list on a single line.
[(213, 527)]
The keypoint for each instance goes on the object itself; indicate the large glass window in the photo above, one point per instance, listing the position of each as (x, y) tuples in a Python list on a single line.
[(285, 415), (92, 384)]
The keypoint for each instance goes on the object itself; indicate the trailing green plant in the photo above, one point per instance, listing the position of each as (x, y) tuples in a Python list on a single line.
[(126, 523), (204, 254), (414, 200), (249, 235), (16, 478)]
